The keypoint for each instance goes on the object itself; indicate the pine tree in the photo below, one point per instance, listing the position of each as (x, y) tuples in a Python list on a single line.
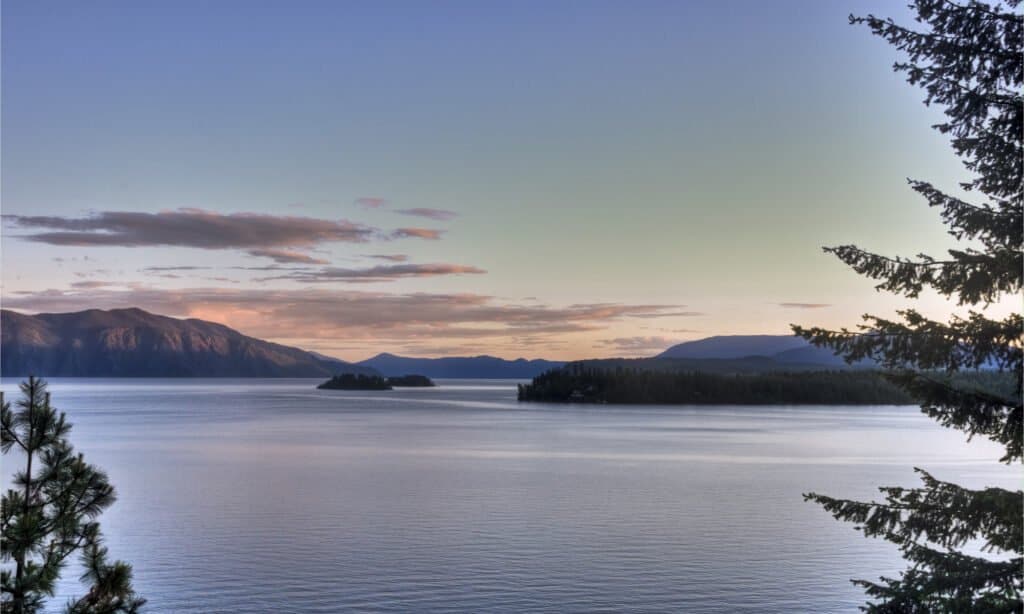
[(967, 58), (50, 513)]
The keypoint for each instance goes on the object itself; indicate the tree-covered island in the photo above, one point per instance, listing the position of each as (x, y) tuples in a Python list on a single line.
[(411, 381), (587, 383), (355, 381), (577, 384)]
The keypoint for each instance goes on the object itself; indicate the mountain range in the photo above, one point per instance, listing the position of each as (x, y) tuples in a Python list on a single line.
[(460, 366), (782, 349), (136, 343)]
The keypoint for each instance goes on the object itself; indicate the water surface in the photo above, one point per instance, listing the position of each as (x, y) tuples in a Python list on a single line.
[(270, 495)]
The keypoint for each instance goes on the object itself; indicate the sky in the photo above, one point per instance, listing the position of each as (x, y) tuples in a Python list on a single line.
[(548, 179)]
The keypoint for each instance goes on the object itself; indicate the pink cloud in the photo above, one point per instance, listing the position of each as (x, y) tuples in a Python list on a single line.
[(388, 272), (282, 256), (371, 202), (418, 233), (639, 345), (330, 314), (434, 214), (190, 228)]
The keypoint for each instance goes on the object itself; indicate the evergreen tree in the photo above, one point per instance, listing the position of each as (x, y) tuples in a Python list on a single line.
[(967, 58), (50, 512)]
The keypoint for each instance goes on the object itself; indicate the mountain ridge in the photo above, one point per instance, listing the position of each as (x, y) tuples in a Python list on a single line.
[(471, 367), (783, 349), (135, 343), (132, 342)]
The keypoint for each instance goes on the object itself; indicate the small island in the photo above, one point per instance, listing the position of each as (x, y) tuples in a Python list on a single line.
[(411, 381), (354, 381)]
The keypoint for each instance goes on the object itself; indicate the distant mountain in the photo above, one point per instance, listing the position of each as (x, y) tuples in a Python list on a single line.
[(735, 346), (745, 365), (135, 343), (814, 355), (783, 351), (786, 349), (459, 367), (340, 366)]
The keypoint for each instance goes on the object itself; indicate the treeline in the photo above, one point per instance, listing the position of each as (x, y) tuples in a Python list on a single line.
[(357, 381), (577, 384), (353, 381), (411, 381)]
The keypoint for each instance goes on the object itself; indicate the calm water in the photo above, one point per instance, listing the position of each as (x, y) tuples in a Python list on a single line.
[(248, 496)]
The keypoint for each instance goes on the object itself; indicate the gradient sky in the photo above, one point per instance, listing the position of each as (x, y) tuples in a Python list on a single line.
[(540, 179)]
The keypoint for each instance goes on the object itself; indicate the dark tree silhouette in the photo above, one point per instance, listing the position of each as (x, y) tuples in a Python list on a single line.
[(967, 58), (575, 383), (356, 381), (50, 514)]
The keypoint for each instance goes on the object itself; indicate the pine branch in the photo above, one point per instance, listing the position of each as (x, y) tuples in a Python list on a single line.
[(974, 411), (972, 277), (926, 344), (943, 513)]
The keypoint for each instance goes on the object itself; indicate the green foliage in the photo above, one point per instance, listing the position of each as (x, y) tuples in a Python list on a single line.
[(582, 384), (968, 59), (353, 381), (51, 513)]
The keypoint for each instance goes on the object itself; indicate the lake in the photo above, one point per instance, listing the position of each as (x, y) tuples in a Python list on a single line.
[(269, 495)]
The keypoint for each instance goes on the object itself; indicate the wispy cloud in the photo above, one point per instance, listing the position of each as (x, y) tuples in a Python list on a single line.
[(283, 256), (189, 228), (157, 269), (91, 284), (388, 272), (417, 233), (678, 314), (433, 214), (804, 305), (639, 345), (329, 314), (269, 267), (222, 279), (389, 257), (660, 314), (371, 202)]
